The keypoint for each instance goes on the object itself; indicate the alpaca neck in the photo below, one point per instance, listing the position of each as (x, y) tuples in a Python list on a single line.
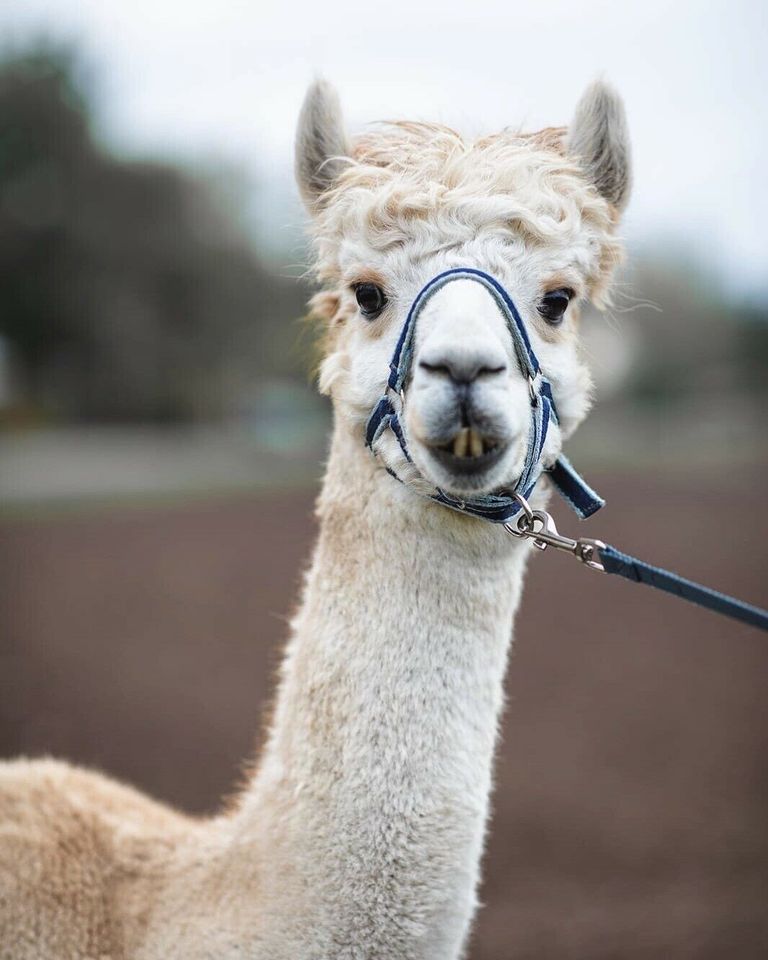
[(373, 788)]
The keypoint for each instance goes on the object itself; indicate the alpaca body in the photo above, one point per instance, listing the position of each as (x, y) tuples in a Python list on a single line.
[(359, 835)]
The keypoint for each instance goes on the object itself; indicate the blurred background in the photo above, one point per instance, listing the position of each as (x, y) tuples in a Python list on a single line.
[(161, 442)]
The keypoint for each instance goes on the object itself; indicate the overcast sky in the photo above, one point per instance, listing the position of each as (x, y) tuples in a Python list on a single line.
[(205, 78)]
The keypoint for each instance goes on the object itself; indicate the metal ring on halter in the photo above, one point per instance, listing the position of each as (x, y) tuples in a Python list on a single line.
[(524, 524), (526, 508)]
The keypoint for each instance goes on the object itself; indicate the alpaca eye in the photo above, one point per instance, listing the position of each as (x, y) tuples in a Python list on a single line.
[(553, 305), (371, 299)]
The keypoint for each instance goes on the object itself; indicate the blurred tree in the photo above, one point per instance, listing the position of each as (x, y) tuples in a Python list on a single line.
[(753, 351), (697, 343), (130, 290), (127, 291)]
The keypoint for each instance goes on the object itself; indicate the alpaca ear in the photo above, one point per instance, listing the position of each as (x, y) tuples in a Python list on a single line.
[(599, 140), (321, 143)]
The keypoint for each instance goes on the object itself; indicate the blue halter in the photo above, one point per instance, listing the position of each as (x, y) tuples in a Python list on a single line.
[(502, 506)]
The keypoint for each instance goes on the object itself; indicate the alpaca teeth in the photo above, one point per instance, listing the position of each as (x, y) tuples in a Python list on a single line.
[(475, 444), (461, 443)]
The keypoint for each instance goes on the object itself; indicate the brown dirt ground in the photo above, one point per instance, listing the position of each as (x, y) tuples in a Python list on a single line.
[(632, 788)]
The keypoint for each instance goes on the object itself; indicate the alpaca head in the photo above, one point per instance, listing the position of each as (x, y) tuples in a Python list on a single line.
[(399, 205)]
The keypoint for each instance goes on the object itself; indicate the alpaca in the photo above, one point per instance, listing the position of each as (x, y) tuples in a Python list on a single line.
[(360, 832)]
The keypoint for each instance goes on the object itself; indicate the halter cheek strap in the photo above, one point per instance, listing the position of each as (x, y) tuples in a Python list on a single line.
[(502, 506)]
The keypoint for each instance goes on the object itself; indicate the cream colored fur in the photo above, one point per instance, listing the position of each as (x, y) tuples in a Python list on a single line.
[(361, 831)]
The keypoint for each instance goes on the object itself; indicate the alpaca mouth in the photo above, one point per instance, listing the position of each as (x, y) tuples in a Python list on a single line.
[(469, 452)]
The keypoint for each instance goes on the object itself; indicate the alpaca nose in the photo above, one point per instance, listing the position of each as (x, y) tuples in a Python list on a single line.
[(464, 366)]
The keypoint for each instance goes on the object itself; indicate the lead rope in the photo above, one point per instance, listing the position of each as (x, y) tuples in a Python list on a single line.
[(539, 526)]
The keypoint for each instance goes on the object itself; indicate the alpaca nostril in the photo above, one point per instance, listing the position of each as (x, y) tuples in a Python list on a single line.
[(435, 367)]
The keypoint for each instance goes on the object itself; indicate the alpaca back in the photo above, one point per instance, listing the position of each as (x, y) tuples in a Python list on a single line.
[(73, 845)]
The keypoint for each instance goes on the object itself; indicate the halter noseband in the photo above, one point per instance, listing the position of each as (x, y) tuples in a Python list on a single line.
[(502, 506)]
